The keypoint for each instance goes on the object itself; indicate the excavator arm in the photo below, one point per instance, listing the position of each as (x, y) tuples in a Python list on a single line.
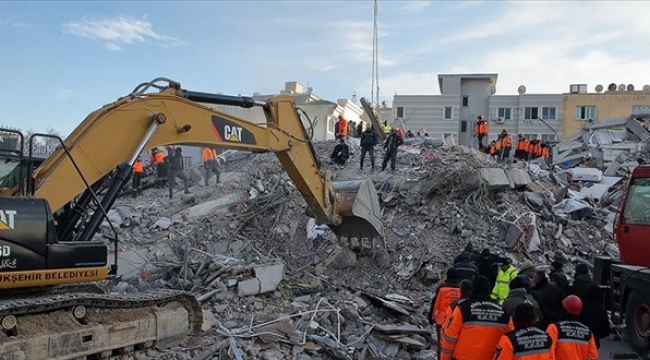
[(115, 135)]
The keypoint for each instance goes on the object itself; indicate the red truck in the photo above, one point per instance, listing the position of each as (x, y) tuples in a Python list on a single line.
[(628, 278)]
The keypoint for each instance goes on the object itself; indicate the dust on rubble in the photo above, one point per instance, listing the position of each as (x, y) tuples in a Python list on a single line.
[(274, 285)]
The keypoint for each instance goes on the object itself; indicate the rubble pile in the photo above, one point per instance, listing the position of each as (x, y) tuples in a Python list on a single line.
[(275, 285)]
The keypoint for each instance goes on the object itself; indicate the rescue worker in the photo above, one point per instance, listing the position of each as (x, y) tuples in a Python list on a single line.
[(557, 275), (342, 131), (548, 295), (138, 174), (465, 287), (475, 327), (506, 144), (351, 127), (158, 162), (369, 140), (534, 148), (409, 134), (581, 279), (359, 129), (487, 266), (400, 133), (445, 294), (545, 148), (210, 164), (521, 153), (176, 171), (466, 268), (525, 342), (341, 152), (492, 148), (387, 128), (390, 147), (573, 339), (507, 272), (480, 130), (518, 294)]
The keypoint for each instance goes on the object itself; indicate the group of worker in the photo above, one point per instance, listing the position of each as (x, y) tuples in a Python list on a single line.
[(486, 309), (502, 146), (169, 166), (368, 140)]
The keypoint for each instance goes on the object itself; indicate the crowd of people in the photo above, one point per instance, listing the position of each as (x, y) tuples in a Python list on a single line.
[(501, 148), (486, 308)]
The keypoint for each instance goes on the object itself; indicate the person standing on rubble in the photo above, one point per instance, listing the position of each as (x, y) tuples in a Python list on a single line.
[(487, 266), (507, 272), (369, 140), (548, 295), (545, 150), (138, 174), (159, 163), (390, 147), (465, 287), (506, 144), (466, 269), (342, 129), (525, 342), (470, 334), (519, 294), (445, 294), (534, 148), (573, 339), (387, 128), (558, 277), (480, 130), (210, 164), (176, 171), (521, 153), (359, 129)]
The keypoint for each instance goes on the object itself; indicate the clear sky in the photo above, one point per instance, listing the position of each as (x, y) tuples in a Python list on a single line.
[(62, 60)]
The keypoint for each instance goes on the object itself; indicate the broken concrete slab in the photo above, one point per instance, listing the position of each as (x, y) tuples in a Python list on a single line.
[(494, 178), (217, 206), (635, 127), (517, 178), (585, 174), (267, 278)]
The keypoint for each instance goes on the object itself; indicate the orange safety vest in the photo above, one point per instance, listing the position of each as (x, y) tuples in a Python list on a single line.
[(529, 343), (209, 154), (573, 340), (445, 295), (470, 334), (492, 150), (481, 128), (546, 153), (343, 127), (138, 166), (158, 158), (522, 144), (506, 141), (450, 310)]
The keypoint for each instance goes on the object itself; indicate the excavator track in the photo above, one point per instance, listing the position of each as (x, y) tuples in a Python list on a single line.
[(90, 325)]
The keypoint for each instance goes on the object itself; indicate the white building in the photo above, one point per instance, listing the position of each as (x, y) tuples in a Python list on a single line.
[(465, 96)]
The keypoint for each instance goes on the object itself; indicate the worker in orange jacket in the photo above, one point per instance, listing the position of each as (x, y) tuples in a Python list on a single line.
[(525, 342), (210, 164), (445, 294), (138, 174), (465, 287), (480, 130), (545, 150), (521, 153), (342, 128), (534, 149), (158, 162), (506, 144), (573, 339), (475, 326)]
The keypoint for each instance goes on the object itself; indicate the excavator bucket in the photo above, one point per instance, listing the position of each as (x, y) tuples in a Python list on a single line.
[(358, 205)]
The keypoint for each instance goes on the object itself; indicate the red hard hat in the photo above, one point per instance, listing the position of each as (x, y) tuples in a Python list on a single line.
[(572, 304)]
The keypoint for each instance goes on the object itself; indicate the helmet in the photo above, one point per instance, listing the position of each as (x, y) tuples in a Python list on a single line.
[(480, 117), (572, 304)]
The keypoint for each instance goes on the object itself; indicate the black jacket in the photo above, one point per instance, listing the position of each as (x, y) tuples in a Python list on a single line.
[(368, 138), (466, 270), (393, 142), (559, 278), (549, 297), (580, 282), (344, 151), (176, 162), (488, 268), (593, 313)]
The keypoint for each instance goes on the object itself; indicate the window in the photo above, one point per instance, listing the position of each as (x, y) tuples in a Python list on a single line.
[(548, 137), (465, 101), (449, 112), (504, 113), (531, 113), (636, 211), (549, 113), (529, 137), (330, 125), (585, 112), (400, 112)]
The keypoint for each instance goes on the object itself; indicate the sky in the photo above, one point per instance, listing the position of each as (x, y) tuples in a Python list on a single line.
[(62, 60)]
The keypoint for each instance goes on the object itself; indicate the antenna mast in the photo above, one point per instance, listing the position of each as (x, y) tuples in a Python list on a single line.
[(375, 59)]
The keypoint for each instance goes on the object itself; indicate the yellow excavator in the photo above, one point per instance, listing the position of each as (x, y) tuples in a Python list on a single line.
[(51, 210)]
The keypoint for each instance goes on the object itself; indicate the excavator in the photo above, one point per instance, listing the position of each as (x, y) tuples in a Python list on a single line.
[(52, 254)]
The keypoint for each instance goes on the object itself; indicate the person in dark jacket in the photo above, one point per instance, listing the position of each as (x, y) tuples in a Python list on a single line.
[(359, 130), (519, 294), (465, 267), (593, 312), (487, 266), (549, 296), (368, 141), (341, 152), (390, 147), (176, 171), (581, 279), (558, 277), (474, 254)]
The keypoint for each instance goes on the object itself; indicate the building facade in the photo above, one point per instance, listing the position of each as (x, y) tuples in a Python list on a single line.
[(465, 96), (617, 101)]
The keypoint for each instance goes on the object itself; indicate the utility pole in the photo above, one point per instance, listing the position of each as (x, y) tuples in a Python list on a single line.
[(374, 91)]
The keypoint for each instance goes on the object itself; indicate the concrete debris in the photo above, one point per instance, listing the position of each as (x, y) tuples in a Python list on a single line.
[(274, 285)]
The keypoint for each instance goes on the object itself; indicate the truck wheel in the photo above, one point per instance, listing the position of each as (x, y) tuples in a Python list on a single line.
[(637, 321)]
